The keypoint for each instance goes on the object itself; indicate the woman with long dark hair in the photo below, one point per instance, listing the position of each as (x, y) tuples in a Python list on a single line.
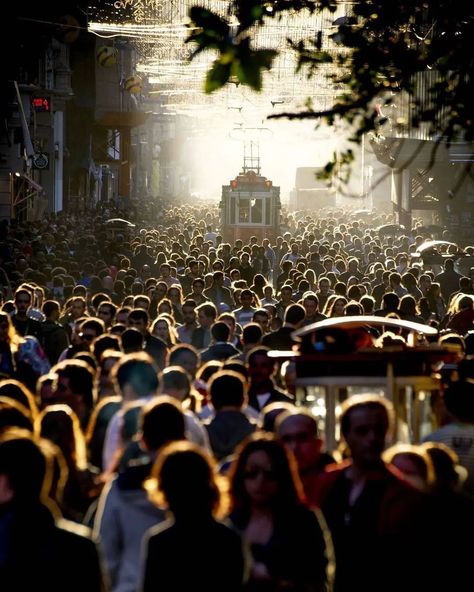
[(290, 544)]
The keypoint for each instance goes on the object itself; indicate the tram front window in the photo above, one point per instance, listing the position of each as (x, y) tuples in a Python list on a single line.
[(244, 211)]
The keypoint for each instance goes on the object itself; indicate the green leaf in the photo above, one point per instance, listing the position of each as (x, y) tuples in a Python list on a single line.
[(250, 64), (217, 76), (208, 20)]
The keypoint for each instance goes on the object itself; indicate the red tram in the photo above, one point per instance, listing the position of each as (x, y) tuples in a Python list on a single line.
[(250, 206)]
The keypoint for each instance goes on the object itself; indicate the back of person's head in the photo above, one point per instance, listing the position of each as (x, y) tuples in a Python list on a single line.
[(49, 307), (175, 378), (186, 477), (414, 462), (236, 366), (449, 474), (208, 369), (80, 376), (24, 465), (60, 425), (295, 314), (452, 339), (132, 340), (353, 309), (300, 413), (137, 371), (227, 388), (14, 415), (179, 351), (260, 350), (88, 358), (252, 334), (220, 331), (271, 412), (162, 421), (466, 302), (14, 389), (390, 301), (104, 342)]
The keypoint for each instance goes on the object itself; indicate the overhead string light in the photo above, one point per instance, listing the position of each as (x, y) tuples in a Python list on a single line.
[(158, 29)]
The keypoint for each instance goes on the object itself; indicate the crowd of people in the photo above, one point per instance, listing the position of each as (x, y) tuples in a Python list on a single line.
[(139, 402)]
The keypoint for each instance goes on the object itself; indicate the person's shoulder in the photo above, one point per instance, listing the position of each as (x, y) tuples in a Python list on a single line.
[(280, 395), (74, 533), (160, 533)]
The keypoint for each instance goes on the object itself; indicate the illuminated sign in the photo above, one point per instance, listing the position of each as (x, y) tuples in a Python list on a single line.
[(41, 104)]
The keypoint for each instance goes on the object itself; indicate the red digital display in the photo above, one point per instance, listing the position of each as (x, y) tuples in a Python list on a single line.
[(41, 104)]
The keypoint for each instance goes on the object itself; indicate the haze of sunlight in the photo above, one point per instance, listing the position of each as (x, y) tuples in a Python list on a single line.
[(215, 156)]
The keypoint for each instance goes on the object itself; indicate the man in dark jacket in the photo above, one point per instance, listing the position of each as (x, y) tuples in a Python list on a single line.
[(375, 517), (55, 336), (230, 425), (220, 348), (262, 390)]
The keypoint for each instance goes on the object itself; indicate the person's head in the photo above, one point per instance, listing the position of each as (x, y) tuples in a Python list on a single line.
[(17, 391), (51, 310), (132, 340), (207, 314), (165, 307), (246, 298), (310, 304), (185, 477), (295, 315), (138, 318), (298, 429), (413, 462), (189, 312), (365, 423), (91, 328), (74, 386), (271, 412), (186, 356), (286, 293), (60, 425), (162, 421), (220, 332), (105, 342), (227, 389), (288, 376), (448, 473), (324, 285), (176, 382), (23, 300), (261, 366), (252, 335), (264, 474), (262, 317), (136, 376), (141, 301), (161, 328), (25, 473), (78, 307), (198, 286)]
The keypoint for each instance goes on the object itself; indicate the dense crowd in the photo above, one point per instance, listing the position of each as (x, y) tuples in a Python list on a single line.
[(138, 398)]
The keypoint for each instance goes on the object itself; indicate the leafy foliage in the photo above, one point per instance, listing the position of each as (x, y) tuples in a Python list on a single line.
[(380, 49)]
